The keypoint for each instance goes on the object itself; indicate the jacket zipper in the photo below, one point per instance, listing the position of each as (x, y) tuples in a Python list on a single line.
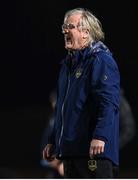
[(62, 111)]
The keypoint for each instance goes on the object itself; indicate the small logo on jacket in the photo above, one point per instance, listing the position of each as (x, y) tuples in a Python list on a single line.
[(105, 77), (92, 165), (79, 72)]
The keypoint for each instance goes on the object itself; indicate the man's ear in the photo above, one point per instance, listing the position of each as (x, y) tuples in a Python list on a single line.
[(86, 33)]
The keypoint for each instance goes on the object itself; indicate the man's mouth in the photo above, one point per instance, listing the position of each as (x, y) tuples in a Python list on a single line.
[(68, 39)]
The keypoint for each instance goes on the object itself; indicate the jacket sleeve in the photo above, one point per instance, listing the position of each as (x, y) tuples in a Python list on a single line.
[(105, 89), (51, 136)]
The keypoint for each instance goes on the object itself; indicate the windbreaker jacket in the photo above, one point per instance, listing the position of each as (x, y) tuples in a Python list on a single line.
[(87, 104)]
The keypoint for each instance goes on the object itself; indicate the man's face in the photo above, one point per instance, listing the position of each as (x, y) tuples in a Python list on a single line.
[(73, 35)]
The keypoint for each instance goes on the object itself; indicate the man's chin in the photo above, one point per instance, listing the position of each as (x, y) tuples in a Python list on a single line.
[(71, 47), (68, 47)]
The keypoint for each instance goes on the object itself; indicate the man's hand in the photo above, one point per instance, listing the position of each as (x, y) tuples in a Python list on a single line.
[(48, 152), (96, 147)]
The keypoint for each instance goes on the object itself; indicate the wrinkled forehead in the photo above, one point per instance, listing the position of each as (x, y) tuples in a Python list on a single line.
[(73, 19)]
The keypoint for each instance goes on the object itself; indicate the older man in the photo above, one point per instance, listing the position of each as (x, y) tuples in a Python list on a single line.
[(86, 128)]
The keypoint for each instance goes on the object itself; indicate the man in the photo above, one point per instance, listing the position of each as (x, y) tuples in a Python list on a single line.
[(85, 134)]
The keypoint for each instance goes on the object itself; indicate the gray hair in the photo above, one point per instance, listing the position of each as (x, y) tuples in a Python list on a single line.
[(88, 21)]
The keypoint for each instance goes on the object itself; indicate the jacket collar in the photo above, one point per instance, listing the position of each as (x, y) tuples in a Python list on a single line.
[(74, 57)]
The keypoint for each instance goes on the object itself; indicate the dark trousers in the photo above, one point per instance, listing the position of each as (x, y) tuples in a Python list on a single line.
[(79, 168)]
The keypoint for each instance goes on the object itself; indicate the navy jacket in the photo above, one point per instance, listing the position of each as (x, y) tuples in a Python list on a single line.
[(87, 103)]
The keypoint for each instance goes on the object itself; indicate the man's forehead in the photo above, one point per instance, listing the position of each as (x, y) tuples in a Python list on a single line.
[(74, 18)]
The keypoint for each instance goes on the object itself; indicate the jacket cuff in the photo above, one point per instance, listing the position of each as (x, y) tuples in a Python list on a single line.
[(100, 138)]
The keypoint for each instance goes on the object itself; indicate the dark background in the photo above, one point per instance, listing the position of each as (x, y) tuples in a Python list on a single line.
[(31, 50)]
